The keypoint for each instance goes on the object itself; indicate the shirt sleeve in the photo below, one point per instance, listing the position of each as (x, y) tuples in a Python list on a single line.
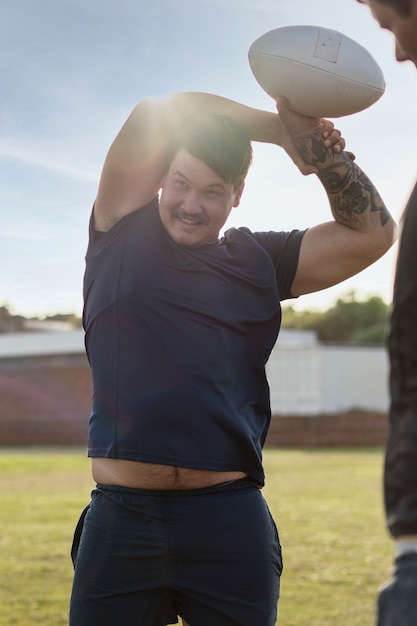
[(284, 250)]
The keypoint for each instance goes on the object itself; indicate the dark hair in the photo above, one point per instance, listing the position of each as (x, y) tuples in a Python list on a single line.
[(403, 7), (222, 145)]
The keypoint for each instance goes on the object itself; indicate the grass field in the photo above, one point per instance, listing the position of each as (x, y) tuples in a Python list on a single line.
[(327, 505)]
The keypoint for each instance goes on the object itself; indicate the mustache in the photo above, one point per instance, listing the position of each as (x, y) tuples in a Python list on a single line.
[(198, 217)]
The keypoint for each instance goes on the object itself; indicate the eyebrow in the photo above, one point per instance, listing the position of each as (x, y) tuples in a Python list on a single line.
[(210, 186)]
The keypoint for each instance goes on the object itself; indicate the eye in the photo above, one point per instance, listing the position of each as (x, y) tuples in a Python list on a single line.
[(213, 193)]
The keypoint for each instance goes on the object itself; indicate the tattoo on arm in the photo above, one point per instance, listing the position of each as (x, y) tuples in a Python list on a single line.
[(311, 148), (350, 191)]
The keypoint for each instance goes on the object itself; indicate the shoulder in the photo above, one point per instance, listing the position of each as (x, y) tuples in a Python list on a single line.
[(140, 220), (281, 249), (140, 213), (273, 242)]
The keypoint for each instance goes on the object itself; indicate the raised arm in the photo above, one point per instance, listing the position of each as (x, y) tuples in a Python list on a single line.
[(141, 152), (362, 230)]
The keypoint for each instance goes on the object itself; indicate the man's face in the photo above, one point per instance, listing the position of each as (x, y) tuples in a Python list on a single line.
[(404, 28), (195, 202)]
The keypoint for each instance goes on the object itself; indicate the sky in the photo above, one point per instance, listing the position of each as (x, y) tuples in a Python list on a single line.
[(72, 70)]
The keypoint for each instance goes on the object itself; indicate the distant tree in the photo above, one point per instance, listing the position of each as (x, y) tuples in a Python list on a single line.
[(300, 320), (71, 318), (9, 323), (348, 321)]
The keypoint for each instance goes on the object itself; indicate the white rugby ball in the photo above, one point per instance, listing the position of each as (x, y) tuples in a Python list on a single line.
[(322, 72)]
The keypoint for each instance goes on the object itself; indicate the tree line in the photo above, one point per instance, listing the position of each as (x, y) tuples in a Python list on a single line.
[(349, 320), (12, 323)]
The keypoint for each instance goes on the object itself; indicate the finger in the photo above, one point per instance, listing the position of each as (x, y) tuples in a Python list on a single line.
[(332, 138), (341, 143), (282, 103), (335, 141), (283, 108), (328, 127), (339, 146)]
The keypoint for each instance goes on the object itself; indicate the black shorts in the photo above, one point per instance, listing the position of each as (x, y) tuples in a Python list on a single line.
[(144, 557)]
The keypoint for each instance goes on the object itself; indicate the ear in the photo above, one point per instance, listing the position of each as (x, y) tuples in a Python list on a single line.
[(238, 195)]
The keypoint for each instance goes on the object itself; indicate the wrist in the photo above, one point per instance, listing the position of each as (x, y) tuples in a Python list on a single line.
[(315, 153)]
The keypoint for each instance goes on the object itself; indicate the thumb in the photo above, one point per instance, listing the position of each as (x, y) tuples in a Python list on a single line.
[(282, 102), (293, 121), (282, 105), (296, 122)]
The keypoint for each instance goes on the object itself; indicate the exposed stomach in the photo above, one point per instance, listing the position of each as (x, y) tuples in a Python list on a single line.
[(152, 476)]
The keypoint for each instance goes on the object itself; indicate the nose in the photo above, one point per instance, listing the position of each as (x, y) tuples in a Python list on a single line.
[(191, 202)]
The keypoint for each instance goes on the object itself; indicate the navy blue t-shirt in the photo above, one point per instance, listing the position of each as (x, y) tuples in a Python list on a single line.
[(178, 339)]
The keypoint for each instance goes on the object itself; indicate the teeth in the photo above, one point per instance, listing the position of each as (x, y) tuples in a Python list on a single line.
[(189, 221)]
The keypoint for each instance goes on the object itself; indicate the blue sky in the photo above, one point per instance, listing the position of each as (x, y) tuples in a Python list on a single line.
[(72, 70)]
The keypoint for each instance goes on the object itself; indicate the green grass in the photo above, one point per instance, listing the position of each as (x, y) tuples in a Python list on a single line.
[(327, 505), (42, 494)]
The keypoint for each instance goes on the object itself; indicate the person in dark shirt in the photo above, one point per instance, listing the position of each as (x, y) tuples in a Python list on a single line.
[(397, 602), (179, 325)]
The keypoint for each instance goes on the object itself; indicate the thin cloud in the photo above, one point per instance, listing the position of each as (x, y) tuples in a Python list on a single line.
[(25, 236), (47, 160)]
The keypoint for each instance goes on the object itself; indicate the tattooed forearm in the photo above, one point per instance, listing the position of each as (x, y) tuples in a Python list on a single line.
[(353, 198), (311, 148)]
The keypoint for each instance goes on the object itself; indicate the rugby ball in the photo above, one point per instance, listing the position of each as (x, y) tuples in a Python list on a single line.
[(321, 72)]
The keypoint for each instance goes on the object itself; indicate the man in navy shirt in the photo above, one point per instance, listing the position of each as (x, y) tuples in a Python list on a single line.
[(179, 326)]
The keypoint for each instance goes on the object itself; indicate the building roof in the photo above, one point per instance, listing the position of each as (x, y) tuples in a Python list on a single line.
[(41, 343), (45, 343)]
